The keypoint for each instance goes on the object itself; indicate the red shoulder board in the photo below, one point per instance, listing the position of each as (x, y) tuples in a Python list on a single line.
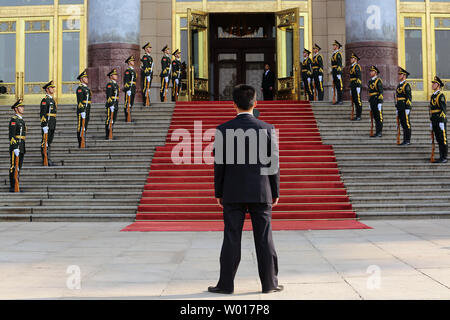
[(13, 123), (44, 102), (79, 90)]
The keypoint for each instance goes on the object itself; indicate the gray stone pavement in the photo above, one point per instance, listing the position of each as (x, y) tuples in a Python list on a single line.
[(398, 259)]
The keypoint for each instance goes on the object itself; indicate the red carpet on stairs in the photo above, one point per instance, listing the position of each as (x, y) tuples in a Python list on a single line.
[(180, 197)]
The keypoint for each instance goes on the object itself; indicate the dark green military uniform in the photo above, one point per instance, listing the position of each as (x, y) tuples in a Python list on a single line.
[(355, 86), (336, 65), (129, 86), (317, 66), (84, 97), (375, 89), (112, 102), (176, 76), (165, 74), (307, 75), (48, 120), (17, 135), (147, 69), (438, 117), (403, 105)]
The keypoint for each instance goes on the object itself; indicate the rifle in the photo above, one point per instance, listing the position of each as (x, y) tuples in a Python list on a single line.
[(432, 147), (315, 91), (334, 93), (45, 150), (398, 130), (129, 101), (147, 99), (352, 116), (371, 123), (16, 174)]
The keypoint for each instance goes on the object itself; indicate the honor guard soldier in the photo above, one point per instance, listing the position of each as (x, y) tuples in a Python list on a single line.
[(48, 122), (307, 74), (147, 68), (355, 85), (176, 75), (84, 97), (438, 117), (376, 100), (336, 71), (17, 134), (112, 102), (165, 72), (129, 86), (317, 66), (403, 104)]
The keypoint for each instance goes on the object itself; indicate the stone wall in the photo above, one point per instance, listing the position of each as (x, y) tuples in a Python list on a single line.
[(328, 24)]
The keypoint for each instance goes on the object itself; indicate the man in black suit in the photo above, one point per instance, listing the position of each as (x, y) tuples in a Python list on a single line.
[(246, 178), (268, 83)]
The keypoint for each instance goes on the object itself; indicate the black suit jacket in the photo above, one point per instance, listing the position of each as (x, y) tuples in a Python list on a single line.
[(255, 181), (268, 80)]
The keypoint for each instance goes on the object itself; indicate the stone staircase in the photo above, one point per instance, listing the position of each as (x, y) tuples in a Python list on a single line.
[(385, 180), (102, 182)]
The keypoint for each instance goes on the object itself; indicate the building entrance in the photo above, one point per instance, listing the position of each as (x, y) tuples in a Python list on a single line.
[(241, 44)]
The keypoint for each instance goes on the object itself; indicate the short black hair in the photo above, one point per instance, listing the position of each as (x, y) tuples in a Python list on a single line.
[(244, 96)]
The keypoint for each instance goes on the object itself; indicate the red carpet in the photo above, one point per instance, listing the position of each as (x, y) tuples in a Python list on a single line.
[(180, 197)]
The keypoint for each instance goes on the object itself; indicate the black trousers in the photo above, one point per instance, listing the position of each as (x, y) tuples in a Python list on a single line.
[(129, 100), (308, 88), (109, 119), (338, 84), (405, 123), (267, 94), (377, 116), (80, 121), (357, 100), (318, 84), (441, 138), (12, 168), (230, 256), (51, 134)]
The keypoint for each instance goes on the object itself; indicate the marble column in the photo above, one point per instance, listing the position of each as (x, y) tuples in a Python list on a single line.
[(371, 33), (113, 35)]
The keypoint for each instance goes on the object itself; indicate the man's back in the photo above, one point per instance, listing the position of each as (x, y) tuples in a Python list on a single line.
[(249, 171)]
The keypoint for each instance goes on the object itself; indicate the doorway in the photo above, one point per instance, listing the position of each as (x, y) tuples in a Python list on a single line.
[(241, 44)]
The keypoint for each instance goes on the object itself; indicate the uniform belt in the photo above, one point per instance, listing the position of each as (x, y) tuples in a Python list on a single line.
[(131, 82), (435, 111), (51, 114), (334, 66), (354, 79), (86, 101), (373, 93), (20, 137), (316, 67), (400, 99)]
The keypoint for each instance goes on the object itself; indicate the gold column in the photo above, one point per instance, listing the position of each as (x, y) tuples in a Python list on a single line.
[(429, 51)]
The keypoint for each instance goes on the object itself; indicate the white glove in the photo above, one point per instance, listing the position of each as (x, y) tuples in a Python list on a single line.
[(45, 129), (16, 152), (358, 89), (129, 93), (111, 108), (320, 78), (396, 113), (166, 79), (441, 125), (148, 78), (407, 111), (380, 106), (339, 76), (83, 115), (177, 81), (431, 126), (309, 80)]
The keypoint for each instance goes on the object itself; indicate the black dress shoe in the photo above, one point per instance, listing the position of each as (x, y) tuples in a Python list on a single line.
[(277, 289), (379, 135), (405, 143), (440, 160), (219, 290)]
